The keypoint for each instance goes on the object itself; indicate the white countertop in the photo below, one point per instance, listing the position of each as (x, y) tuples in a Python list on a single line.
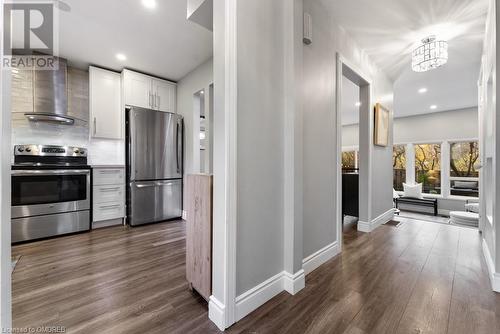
[(108, 166)]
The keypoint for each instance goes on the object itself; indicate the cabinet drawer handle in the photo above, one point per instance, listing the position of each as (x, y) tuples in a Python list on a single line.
[(106, 207), (110, 171), (105, 190)]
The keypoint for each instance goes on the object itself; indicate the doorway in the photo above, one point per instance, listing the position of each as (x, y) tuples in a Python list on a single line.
[(353, 147)]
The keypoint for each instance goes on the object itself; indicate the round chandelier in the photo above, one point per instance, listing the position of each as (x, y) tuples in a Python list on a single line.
[(430, 55)]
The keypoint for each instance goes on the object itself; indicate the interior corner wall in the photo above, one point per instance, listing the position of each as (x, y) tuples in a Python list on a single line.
[(199, 79), (496, 137), (260, 143), (320, 128), (489, 128), (5, 159)]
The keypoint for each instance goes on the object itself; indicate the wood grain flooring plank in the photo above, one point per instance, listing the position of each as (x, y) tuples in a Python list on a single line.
[(417, 278)]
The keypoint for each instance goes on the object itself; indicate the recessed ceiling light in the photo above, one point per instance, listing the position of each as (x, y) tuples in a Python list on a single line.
[(150, 4), (433, 107), (121, 57), (358, 104), (422, 90)]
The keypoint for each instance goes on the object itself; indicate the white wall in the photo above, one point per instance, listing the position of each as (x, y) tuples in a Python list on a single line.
[(454, 124), (447, 125), (199, 79), (489, 142), (5, 153), (350, 136), (320, 127)]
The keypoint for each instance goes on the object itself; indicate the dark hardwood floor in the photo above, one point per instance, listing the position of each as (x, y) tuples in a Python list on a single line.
[(416, 278), (114, 280)]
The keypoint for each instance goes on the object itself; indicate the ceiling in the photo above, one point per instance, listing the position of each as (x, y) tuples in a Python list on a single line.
[(158, 41), (388, 30)]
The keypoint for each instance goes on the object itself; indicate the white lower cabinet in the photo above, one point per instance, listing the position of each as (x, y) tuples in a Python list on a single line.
[(108, 196)]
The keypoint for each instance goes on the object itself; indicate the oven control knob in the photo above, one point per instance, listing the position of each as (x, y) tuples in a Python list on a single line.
[(82, 152), (76, 151), (20, 149), (28, 149)]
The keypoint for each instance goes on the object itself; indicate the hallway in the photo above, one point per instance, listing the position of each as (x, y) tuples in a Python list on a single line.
[(417, 278)]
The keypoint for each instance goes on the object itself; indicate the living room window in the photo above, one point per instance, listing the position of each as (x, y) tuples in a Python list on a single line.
[(428, 167), (399, 166), (350, 160), (464, 173)]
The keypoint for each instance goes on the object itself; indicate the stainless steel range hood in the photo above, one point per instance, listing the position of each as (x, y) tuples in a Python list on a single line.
[(50, 95)]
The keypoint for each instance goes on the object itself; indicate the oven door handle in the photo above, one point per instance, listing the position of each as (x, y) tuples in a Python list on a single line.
[(51, 172)]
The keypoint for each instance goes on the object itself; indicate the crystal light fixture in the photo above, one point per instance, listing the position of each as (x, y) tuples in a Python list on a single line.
[(430, 55)]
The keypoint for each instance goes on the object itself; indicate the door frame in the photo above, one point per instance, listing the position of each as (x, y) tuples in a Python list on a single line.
[(5, 200), (365, 83)]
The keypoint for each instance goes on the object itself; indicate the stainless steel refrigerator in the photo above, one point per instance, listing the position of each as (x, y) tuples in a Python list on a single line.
[(154, 166)]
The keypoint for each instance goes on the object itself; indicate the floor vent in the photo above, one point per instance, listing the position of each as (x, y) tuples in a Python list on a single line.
[(394, 223)]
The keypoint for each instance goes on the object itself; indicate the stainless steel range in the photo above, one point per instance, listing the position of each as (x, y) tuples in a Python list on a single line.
[(50, 191)]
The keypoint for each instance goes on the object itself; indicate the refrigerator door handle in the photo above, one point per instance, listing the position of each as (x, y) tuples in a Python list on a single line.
[(177, 146), (146, 185), (164, 183)]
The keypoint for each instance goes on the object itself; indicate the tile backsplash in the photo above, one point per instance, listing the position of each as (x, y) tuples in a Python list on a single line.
[(24, 132), (101, 151)]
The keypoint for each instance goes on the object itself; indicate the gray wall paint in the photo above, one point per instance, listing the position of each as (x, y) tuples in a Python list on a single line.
[(320, 128), (488, 134), (453, 124), (5, 156), (319, 132), (260, 143), (200, 78)]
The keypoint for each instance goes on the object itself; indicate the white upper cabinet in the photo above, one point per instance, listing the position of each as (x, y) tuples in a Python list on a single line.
[(106, 116), (137, 89), (144, 91), (165, 95)]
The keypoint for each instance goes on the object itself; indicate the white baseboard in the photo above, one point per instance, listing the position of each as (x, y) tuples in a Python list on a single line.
[(293, 283), (216, 313), (380, 220), (494, 276), (265, 291), (257, 296), (323, 255), (184, 214)]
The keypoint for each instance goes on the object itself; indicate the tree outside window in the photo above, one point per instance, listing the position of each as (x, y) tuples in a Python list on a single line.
[(349, 161), (399, 166), (464, 173), (428, 167)]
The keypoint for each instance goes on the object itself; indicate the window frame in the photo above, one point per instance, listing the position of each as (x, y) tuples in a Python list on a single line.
[(445, 168), (406, 164), (459, 178), (441, 145)]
